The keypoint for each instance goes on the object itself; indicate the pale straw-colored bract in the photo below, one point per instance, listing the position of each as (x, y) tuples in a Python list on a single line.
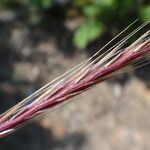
[(114, 61)]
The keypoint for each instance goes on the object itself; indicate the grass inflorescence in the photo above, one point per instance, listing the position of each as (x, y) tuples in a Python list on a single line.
[(114, 61)]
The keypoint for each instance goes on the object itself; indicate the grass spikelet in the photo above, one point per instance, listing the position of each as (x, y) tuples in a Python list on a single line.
[(87, 74)]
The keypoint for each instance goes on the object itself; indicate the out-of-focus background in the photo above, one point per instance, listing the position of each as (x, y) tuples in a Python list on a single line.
[(40, 40)]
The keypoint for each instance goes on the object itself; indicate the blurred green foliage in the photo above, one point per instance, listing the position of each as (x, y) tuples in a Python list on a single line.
[(87, 32), (41, 4), (99, 15), (145, 12), (36, 8), (100, 12)]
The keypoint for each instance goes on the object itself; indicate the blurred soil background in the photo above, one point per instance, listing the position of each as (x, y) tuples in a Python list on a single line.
[(40, 40)]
